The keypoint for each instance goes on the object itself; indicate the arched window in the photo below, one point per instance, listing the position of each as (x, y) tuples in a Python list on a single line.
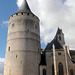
[(44, 71), (52, 69), (71, 72), (60, 67)]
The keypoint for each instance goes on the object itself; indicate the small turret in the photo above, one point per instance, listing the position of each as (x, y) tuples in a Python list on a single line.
[(60, 37)]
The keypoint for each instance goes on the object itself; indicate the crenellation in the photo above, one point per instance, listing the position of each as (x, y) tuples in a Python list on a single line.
[(24, 16)]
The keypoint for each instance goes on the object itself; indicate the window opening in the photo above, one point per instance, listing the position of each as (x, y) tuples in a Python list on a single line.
[(16, 56), (71, 72), (53, 70), (9, 49), (44, 71), (60, 38), (27, 13), (22, 13), (38, 49), (13, 25), (59, 53), (61, 71)]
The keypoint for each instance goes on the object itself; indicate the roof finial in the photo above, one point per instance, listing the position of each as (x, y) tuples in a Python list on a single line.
[(24, 7)]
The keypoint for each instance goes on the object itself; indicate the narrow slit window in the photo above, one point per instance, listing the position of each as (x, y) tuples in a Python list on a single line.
[(16, 56), (22, 13), (13, 25), (27, 13), (60, 38), (38, 49), (33, 15), (9, 49)]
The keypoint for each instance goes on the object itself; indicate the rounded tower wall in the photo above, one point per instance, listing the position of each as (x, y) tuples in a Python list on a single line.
[(23, 23), (21, 63), (23, 43), (23, 33)]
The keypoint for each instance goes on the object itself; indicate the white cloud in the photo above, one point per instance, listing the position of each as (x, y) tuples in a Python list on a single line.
[(19, 2), (54, 14), (1, 74), (5, 23), (1, 66)]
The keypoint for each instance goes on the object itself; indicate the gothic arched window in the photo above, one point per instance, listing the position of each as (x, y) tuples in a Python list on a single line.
[(71, 72), (44, 71), (52, 69), (60, 67)]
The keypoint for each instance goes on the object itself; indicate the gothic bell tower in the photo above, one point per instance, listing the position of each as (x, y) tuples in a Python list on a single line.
[(23, 43), (60, 37)]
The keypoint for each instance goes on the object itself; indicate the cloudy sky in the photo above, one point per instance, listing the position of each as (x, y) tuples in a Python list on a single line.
[(52, 14)]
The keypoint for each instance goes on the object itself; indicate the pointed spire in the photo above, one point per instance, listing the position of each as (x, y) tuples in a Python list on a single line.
[(24, 7), (59, 31)]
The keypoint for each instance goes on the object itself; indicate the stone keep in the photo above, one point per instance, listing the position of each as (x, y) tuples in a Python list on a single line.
[(23, 43)]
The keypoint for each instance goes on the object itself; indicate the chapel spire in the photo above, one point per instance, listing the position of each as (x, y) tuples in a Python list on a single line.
[(24, 7)]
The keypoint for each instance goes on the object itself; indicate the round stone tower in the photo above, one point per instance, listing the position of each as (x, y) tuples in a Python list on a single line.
[(23, 43)]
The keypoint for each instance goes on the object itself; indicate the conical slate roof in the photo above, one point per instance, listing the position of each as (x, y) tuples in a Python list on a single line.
[(24, 7)]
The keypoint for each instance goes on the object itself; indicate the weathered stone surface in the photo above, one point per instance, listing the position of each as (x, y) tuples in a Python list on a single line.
[(23, 45)]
